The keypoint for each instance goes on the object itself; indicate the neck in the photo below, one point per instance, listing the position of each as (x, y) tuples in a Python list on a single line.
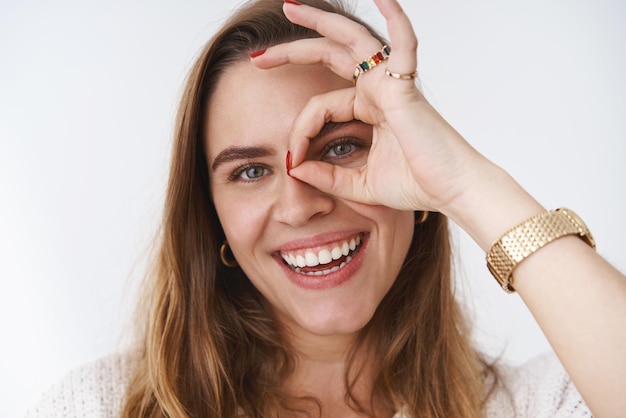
[(320, 372)]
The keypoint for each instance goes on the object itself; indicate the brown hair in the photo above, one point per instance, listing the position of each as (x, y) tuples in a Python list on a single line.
[(210, 347)]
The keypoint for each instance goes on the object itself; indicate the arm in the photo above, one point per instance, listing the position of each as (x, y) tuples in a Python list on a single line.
[(577, 298)]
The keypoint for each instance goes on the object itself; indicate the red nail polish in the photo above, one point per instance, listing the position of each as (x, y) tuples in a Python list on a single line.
[(257, 53), (288, 162), (293, 2)]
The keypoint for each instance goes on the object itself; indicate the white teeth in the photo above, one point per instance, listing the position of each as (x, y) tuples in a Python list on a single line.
[(324, 257), (321, 273), (345, 248), (311, 260)]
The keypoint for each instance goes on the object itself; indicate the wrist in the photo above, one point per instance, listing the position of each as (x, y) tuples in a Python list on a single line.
[(526, 238), (491, 204)]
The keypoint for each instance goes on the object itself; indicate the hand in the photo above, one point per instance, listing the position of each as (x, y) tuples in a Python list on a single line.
[(417, 160)]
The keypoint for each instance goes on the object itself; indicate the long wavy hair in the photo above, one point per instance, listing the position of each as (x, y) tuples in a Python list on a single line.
[(209, 346)]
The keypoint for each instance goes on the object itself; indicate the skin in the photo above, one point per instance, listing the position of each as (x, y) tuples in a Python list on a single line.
[(418, 161), (263, 210)]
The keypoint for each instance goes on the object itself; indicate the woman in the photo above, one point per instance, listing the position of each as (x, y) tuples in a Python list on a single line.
[(305, 262)]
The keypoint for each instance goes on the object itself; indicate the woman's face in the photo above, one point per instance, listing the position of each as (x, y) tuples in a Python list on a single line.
[(323, 263)]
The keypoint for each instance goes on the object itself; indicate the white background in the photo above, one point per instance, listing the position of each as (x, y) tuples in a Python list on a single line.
[(88, 92)]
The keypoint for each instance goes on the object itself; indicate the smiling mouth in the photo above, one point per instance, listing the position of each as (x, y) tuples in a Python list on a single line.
[(323, 260)]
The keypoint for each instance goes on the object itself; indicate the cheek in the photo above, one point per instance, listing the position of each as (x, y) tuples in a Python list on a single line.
[(401, 235), (407, 228), (395, 231), (399, 224), (242, 220)]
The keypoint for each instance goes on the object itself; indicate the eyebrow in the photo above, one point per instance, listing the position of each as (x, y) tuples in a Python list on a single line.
[(240, 153), (330, 127)]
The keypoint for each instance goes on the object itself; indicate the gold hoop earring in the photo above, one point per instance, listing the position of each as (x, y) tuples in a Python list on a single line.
[(226, 261), (423, 217)]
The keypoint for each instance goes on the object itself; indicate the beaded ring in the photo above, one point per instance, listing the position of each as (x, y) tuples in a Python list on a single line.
[(371, 62)]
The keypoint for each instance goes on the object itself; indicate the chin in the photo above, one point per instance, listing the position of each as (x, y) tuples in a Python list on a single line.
[(337, 322)]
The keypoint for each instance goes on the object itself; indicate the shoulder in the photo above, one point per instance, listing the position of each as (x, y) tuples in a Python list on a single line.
[(94, 390), (538, 388)]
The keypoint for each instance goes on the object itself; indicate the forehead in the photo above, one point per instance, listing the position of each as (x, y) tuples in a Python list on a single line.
[(251, 105)]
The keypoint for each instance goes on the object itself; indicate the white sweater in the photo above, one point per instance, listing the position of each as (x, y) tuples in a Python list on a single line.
[(539, 389)]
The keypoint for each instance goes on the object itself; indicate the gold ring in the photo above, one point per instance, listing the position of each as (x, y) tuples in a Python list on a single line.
[(399, 76), (371, 62)]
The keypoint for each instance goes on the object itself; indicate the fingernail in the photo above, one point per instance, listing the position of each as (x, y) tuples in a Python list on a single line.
[(293, 2), (288, 162), (257, 53)]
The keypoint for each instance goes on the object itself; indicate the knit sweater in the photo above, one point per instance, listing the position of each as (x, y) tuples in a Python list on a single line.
[(539, 389)]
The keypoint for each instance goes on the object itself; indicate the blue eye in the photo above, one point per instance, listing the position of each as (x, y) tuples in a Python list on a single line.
[(252, 172), (249, 173), (340, 150), (349, 151)]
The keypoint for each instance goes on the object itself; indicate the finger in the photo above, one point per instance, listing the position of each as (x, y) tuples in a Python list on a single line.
[(403, 60), (335, 106), (320, 51), (345, 183), (336, 27)]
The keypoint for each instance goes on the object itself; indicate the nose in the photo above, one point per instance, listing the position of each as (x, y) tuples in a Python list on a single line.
[(299, 203)]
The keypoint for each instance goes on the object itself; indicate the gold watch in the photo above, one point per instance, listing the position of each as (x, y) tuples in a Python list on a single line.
[(529, 236)]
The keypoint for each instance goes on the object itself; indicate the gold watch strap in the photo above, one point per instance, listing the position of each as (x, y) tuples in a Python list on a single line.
[(529, 236)]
